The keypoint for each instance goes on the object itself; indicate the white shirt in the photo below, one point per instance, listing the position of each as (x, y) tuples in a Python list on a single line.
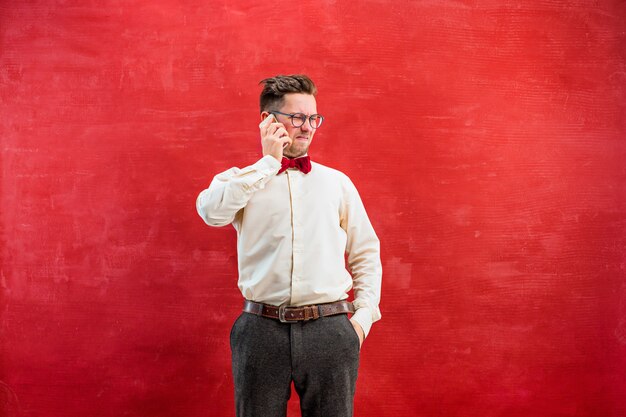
[(293, 231)]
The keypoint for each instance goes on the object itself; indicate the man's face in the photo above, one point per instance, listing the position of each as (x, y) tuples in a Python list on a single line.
[(301, 136)]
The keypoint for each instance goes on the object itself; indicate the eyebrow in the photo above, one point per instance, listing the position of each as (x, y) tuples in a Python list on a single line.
[(299, 112)]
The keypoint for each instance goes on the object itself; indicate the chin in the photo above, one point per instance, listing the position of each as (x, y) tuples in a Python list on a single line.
[(295, 153)]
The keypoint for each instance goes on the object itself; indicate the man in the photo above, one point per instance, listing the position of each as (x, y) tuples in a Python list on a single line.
[(295, 221)]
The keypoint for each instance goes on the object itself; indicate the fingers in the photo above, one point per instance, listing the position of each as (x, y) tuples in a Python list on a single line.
[(276, 132), (285, 140), (274, 138), (276, 129)]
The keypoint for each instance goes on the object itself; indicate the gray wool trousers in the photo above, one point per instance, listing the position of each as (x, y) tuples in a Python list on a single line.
[(320, 356)]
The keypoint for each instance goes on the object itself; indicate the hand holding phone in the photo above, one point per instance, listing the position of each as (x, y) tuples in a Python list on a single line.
[(264, 126), (271, 119)]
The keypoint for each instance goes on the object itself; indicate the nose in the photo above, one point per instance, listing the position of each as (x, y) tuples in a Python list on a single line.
[(306, 127)]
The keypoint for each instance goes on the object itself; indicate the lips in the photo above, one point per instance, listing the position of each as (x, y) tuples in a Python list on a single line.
[(302, 137)]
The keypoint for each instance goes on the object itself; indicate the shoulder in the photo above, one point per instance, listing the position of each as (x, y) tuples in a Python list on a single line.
[(334, 179), (328, 172)]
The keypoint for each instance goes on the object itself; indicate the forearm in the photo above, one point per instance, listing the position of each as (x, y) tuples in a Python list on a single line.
[(366, 269), (231, 190)]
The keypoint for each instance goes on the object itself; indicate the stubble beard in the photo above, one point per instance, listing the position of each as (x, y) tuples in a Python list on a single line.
[(296, 150)]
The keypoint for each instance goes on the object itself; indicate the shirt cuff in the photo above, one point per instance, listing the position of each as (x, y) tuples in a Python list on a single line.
[(267, 165), (363, 316), (255, 176)]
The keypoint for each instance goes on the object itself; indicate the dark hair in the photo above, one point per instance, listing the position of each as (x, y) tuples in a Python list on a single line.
[(275, 88)]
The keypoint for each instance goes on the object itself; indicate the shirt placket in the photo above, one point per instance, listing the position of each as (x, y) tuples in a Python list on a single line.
[(297, 236)]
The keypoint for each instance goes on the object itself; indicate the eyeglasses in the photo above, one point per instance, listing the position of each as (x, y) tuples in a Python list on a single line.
[(298, 119)]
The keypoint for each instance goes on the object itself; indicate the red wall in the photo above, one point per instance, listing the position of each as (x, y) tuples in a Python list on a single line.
[(487, 140)]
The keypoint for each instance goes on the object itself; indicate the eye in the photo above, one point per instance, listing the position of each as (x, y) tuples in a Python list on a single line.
[(299, 117), (316, 120)]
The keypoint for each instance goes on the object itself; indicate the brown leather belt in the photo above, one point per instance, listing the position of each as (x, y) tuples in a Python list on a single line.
[(302, 313)]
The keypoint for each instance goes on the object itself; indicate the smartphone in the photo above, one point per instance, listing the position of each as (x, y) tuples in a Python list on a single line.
[(271, 119)]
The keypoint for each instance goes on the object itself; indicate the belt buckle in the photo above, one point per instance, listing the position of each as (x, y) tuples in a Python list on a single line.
[(281, 314)]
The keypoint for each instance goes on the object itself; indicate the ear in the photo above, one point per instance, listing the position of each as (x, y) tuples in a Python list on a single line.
[(264, 114)]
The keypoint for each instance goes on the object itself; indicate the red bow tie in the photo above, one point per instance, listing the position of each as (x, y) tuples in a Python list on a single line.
[(303, 164)]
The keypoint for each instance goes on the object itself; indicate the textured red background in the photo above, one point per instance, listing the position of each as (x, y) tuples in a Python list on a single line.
[(487, 140)]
